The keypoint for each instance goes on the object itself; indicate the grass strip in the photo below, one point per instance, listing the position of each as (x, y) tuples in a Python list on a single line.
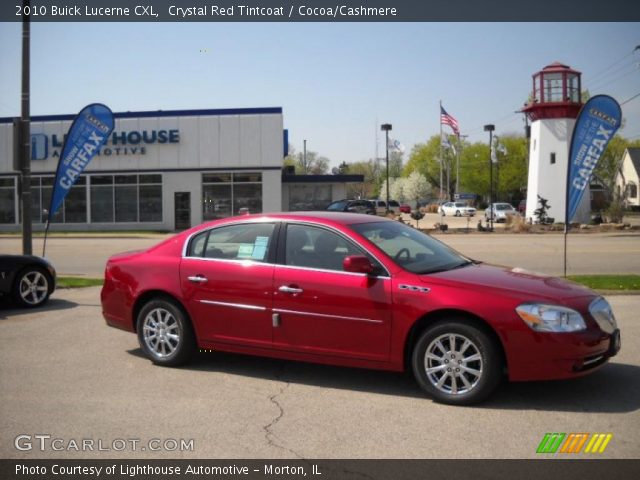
[(77, 282), (608, 282)]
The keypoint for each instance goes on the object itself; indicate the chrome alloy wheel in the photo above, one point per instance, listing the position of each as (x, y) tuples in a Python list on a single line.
[(33, 288), (161, 333), (453, 364)]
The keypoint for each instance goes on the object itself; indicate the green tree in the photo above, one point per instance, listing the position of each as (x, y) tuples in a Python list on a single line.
[(425, 159), (511, 171), (416, 187), (313, 164), (368, 188), (611, 161)]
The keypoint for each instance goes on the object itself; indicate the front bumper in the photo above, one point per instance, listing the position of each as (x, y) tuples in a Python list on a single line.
[(552, 356)]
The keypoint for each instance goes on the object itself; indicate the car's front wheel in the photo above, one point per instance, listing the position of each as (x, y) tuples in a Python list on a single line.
[(32, 287), (165, 333), (456, 362)]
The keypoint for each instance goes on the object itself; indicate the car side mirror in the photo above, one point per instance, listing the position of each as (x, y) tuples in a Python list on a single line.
[(357, 264)]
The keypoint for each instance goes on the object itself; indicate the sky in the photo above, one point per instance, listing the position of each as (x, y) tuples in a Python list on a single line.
[(336, 82)]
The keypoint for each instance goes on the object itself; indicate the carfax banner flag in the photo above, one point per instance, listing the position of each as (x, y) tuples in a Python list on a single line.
[(597, 123), (88, 132)]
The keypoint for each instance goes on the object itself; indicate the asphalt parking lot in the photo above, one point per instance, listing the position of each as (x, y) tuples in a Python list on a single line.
[(64, 373)]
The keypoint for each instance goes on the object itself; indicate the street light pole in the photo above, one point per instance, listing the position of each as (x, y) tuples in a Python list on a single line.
[(385, 127), (490, 128), (24, 151)]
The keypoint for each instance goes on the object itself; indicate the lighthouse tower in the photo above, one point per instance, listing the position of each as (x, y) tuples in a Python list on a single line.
[(555, 103)]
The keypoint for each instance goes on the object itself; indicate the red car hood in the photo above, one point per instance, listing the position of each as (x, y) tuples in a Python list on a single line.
[(515, 281)]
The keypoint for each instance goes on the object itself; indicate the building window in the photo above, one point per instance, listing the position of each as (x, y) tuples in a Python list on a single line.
[(552, 87), (632, 190), (7, 200), (552, 158), (126, 198), (41, 189), (225, 194), (309, 197)]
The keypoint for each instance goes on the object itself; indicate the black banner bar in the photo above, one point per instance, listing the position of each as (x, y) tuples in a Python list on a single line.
[(322, 11), (322, 469)]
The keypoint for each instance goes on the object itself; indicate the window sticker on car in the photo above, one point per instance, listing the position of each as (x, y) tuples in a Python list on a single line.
[(260, 248), (245, 250)]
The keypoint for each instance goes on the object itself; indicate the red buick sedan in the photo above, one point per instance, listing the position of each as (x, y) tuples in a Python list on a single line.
[(349, 289)]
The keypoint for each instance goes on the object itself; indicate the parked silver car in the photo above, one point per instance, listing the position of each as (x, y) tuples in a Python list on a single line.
[(500, 212)]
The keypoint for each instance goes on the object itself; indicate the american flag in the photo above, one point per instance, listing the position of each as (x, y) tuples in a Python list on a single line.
[(446, 119)]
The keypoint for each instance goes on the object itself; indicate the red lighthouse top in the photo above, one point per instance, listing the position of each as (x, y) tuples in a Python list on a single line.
[(556, 93)]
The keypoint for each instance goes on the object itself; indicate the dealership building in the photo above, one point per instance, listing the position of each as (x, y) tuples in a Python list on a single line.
[(165, 170)]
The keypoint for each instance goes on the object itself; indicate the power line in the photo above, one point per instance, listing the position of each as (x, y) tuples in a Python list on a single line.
[(629, 99), (606, 69), (599, 85)]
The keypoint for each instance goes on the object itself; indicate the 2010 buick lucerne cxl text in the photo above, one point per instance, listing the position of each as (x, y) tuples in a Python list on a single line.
[(348, 289)]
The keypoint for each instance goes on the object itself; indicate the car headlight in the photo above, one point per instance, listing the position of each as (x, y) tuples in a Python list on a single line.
[(602, 313), (551, 318)]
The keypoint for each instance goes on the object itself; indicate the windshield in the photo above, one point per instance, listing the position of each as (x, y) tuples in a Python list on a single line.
[(393, 203), (503, 206), (410, 248)]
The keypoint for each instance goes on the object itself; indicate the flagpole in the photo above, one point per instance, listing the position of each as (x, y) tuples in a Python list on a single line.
[(46, 230), (440, 196), (458, 167)]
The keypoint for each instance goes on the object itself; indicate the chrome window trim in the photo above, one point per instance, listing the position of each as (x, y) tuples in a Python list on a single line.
[(324, 315), (241, 306), (325, 270)]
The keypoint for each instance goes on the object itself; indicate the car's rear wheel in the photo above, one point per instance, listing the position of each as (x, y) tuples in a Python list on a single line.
[(165, 333), (456, 362), (458, 213), (32, 287)]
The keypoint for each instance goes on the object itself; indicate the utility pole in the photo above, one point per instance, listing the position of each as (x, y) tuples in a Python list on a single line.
[(304, 158), (24, 157), (385, 127)]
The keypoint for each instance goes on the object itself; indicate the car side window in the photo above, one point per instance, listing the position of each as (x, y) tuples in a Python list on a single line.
[(249, 241), (314, 247)]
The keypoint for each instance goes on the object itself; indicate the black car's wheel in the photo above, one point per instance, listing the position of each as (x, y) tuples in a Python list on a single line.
[(165, 333), (32, 287), (456, 362)]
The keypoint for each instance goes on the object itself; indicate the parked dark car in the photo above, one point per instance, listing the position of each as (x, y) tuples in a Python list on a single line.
[(353, 206), (357, 291), (27, 279)]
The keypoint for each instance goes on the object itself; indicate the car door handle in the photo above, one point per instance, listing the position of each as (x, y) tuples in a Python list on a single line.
[(286, 289), (198, 279)]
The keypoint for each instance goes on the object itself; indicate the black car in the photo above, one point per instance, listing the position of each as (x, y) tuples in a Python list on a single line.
[(29, 280), (353, 206)]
